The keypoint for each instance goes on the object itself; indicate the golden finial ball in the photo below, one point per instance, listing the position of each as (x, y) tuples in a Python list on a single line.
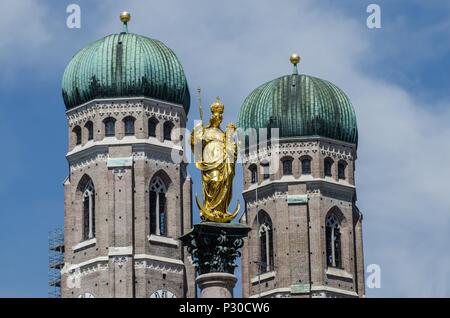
[(125, 17), (295, 58)]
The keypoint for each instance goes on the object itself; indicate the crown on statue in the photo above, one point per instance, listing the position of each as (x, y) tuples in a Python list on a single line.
[(217, 106)]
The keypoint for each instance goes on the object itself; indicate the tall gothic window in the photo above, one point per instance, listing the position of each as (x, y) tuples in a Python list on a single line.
[(287, 167), (88, 211), (266, 170), (253, 173), (265, 233), (152, 123), (77, 133), (328, 164), (129, 125), (168, 130), (341, 169), (90, 130), (333, 240), (158, 207), (306, 166), (110, 127)]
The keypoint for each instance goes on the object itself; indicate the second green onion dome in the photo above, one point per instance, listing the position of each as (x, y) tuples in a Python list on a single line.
[(300, 105), (125, 65)]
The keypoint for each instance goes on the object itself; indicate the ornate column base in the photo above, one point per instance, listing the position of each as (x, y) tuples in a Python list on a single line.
[(214, 248)]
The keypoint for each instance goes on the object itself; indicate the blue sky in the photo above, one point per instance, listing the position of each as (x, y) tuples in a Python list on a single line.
[(397, 78)]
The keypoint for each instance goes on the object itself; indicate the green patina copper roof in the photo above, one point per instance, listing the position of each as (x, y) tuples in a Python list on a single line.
[(124, 65), (300, 105)]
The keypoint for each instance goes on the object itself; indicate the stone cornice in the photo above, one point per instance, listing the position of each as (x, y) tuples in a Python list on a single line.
[(303, 146), (146, 261), (124, 107), (96, 153), (162, 264), (266, 197), (276, 190)]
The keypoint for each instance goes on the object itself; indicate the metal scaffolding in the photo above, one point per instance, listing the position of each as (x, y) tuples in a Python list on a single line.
[(55, 262)]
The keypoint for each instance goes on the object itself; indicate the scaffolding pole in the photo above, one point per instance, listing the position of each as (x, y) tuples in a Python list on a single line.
[(55, 262)]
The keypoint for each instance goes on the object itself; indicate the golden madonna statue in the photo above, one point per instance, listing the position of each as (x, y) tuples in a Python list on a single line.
[(215, 153)]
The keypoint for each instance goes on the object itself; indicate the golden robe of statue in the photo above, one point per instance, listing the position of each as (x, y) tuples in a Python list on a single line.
[(215, 154)]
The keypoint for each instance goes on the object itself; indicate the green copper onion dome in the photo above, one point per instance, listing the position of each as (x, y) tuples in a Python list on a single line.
[(125, 65), (300, 105)]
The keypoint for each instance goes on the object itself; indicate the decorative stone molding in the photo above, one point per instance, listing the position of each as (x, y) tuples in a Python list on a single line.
[(315, 188), (104, 157), (158, 158), (81, 116), (158, 266), (335, 151), (327, 147), (96, 264), (90, 110), (94, 268), (119, 172), (85, 162), (139, 155), (313, 192), (318, 295), (264, 199), (120, 260)]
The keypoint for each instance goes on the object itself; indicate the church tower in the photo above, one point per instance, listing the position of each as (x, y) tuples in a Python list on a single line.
[(299, 191), (127, 195)]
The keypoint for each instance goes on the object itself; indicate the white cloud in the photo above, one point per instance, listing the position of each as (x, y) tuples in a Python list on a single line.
[(24, 33), (23, 22), (23, 26)]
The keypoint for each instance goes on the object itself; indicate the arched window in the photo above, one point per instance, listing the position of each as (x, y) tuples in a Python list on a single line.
[(287, 166), (246, 144), (266, 170), (152, 123), (129, 125), (253, 173), (341, 169), (77, 134), (89, 126), (110, 127), (333, 240), (158, 212), (88, 208), (306, 166), (265, 234), (168, 130), (328, 165)]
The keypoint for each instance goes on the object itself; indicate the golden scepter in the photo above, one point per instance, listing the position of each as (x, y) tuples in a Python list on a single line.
[(199, 91)]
